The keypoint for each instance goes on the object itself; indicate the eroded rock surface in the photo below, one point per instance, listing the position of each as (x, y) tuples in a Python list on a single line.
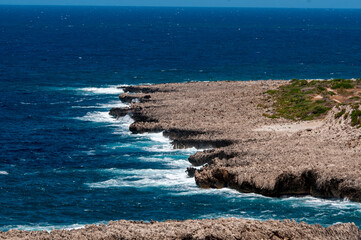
[(196, 229)]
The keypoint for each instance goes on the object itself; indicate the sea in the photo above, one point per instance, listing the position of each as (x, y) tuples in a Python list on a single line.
[(65, 163)]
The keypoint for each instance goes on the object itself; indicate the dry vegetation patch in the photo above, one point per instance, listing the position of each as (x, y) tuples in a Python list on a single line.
[(312, 99)]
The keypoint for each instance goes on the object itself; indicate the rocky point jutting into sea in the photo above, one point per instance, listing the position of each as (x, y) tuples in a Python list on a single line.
[(250, 148), (251, 152)]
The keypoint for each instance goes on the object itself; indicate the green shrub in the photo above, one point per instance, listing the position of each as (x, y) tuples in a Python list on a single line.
[(345, 116), (271, 92), (296, 99), (355, 117), (340, 113), (341, 83), (320, 88)]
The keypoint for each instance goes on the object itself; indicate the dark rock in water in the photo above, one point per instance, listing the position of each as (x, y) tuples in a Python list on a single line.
[(129, 98), (139, 89), (143, 127), (146, 97), (208, 156), (119, 112), (139, 116), (191, 171), (144, 89), (176, 133), (200, 144)]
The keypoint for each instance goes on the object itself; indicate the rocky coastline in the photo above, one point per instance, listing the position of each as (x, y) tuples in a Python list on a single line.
[(246, 151)]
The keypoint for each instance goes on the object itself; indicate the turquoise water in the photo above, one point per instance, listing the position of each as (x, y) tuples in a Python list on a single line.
[(64, 162)]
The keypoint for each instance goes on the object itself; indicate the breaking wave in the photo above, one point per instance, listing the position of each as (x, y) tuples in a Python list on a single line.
[(144, 178)]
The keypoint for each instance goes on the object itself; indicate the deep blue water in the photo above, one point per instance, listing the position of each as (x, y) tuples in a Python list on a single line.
[(64, 162)]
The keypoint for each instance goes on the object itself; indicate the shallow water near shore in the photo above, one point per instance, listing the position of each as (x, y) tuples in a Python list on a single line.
[(64, 162)]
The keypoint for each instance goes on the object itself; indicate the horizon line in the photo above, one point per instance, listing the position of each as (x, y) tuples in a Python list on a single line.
[(165, 6)]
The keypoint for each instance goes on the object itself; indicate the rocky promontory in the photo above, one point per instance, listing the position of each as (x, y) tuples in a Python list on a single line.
[(249, 151)]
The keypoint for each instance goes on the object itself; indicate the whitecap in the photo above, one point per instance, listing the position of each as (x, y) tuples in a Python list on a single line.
[(4, 173), (61, 102), (90, 152), (102, 90)]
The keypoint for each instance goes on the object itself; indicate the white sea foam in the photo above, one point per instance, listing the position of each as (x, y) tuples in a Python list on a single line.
[(26, 103), (242, 215), (102, 90), (171, 162), (124, 125), (112, 89), (143, 178), (156, 137), (168, 148), (319, 203), (45, 227), (159, 148), (179, 163), (98, 117), (4, 173), (225, 192), (155, 159), (120, 125), (331, 203), (104, 117), (107, 106), (165, 144)]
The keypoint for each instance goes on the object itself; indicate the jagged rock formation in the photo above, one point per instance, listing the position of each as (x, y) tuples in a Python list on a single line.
[(196, 229), (119, 112)]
